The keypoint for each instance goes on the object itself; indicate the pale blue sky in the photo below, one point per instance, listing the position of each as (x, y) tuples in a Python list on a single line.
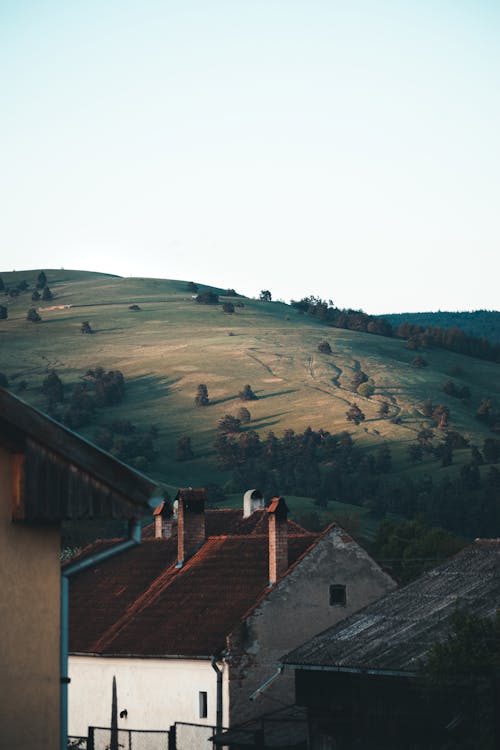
[(344, 149)]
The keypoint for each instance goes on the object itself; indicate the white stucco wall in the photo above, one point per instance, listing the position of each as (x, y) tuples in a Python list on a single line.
[(155, 692)]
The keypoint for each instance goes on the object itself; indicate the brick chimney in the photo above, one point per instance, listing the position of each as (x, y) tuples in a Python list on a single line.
[(190, 523), (163, 520), (252, 500), (278, 542)]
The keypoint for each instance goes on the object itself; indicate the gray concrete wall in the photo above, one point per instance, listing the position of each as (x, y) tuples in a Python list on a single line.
[(294, 611)]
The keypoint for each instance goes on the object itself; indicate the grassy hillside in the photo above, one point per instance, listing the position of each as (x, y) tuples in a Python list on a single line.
[(173, 344)]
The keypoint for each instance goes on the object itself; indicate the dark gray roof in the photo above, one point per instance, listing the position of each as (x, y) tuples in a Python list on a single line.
[(395, 633), (59, 475)]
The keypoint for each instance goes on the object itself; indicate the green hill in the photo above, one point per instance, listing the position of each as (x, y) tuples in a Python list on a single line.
[(172, 344)]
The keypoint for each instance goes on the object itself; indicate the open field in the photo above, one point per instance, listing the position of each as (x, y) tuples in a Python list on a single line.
[(173, 344)]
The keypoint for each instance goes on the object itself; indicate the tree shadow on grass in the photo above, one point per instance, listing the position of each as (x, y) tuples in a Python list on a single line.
[(259, 420), (149, 386), (277, 393), (216, 401)]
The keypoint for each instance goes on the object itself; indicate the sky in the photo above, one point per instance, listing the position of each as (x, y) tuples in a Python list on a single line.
[(348, 149)]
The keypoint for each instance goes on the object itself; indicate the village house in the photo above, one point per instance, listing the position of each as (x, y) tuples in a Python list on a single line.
[(357, 679), (191, 624), (47, 475)]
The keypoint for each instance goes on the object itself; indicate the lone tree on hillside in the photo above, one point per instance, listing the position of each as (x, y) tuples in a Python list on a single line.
[(41, 280), (86, 327), (228, 307), (265, 296), (201, 398), (244, 415), (324, 347), (47, 294), (4, 312), (33, 316), (53, 388), (247, 394), (35, 296), (354, 414)]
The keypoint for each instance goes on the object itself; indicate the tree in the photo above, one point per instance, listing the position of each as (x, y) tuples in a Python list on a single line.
[(201, 398), (419, 362), (183, 451), (33, 316), (383, 409), (47, 294), (467, 665), (4, 312), (134, 308), (85, 328), (324, 347), (354, 414), (366, 389), (265, 296), (35, 296), (228, 423), (53, 388), (244, 415), (247, 394), (41, 280), (228, 307), (208, 298), (358, 378)]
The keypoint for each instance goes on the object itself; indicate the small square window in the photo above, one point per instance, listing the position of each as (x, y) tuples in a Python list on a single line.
[(338, 594), (203, 704)]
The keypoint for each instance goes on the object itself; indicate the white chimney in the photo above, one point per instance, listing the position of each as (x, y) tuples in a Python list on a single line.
[(252, 500)]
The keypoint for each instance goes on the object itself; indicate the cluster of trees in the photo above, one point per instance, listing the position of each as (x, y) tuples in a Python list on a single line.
[(126, 442), (489, 415), (98, 389), (312, 463), (410, 547), (417, 336), (207, 298), (452, 389)]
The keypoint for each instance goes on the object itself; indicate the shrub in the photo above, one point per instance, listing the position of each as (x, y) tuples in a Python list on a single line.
[(228, 423), (53, 388), (247, 394), (201, 398), (244, 415), (366, 389), (33, 316), (324, 347), (47, 294), (354, 414), (208, 298), (134, 308), (85, 328), (228, 307)]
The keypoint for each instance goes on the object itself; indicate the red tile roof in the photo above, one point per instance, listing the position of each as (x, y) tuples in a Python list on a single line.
[(140, 603)]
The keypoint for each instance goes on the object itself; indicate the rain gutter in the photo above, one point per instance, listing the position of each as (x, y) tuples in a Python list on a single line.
[(133, 540)]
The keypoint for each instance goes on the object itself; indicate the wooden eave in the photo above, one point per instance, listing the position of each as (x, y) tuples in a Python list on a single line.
[(59, 475)]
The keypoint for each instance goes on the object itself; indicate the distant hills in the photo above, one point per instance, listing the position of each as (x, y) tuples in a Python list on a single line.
[(481, 323), (347, 422)]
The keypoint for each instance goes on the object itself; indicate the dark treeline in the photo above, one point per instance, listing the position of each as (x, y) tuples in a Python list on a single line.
[(418, 336), (479, 323), (330, 467)]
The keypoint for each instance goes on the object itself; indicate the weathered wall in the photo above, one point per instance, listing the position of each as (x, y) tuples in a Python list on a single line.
[(155, 692), (29, 628), (295, 610)]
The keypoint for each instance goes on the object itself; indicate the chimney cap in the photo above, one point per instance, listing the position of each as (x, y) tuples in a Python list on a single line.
[(278, 507), (164, 508)]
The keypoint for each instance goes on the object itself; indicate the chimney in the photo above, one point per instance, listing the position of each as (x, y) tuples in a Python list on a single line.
[(278, 542), (252, 500), (163, 520), (190, 523)]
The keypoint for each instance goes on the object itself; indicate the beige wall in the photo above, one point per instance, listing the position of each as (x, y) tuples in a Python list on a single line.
[(296, 610), (29, 628)]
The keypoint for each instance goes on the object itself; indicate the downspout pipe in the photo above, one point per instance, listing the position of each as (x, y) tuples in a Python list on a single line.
[(133, 540), (218, 715)]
